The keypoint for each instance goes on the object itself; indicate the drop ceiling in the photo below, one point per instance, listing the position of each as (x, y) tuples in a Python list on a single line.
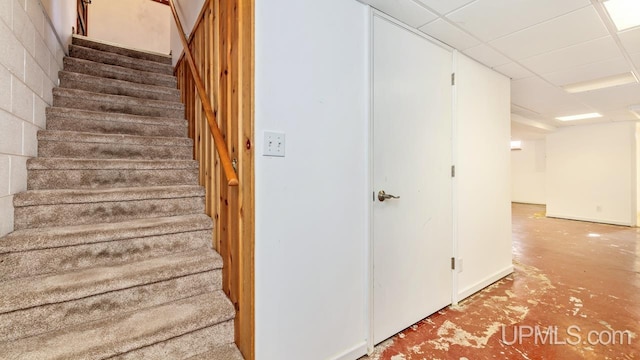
[(542, 45)]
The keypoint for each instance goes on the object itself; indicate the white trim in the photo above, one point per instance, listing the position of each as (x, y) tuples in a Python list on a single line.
[(454, 180), (484, 283), (369, 200), (579, 218), (353, 353)]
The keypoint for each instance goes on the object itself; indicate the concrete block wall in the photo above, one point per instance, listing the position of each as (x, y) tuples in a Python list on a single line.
[(30, 58)]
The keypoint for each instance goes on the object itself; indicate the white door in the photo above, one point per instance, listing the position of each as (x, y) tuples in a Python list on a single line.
[(412, 235)]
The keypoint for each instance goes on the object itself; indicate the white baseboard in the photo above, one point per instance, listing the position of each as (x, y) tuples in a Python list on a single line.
[(484, 283), (578, 218), (353, 353)]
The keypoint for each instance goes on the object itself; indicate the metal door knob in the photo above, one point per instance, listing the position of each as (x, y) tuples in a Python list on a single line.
[(382, 196)]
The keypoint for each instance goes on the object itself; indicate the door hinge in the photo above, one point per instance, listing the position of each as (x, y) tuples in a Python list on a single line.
[(453, 171), (453, 79), (453, 263)]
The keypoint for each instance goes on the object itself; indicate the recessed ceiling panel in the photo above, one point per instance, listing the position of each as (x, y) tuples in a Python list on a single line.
[(572, 56), (614, 98), (571, 29), (537, 95), (445, 6), (449, 34), (490, 19), (598, 70), (514, 71), (487, 56), (636, 60), (406, 11), (630, 40)]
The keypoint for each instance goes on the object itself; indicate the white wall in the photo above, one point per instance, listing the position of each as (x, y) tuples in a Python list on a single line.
[(311, 206), (141, 24), (482, 184), (29, 62), (591, 171), (61, 14), (528, 172), (188, 10)]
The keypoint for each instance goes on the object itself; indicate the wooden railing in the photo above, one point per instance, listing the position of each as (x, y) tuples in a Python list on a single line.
[(219, 143), (215, 78)]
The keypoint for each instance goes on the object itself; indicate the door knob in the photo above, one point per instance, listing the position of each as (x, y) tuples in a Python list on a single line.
[(382, 196)]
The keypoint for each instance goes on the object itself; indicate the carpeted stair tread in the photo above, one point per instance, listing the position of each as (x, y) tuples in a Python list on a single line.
[(33, 252), (126, 332), (225, 352), (79, 196), (117, 72), (77, 136), (86, 100), (106, 164), (114, 123), (111, 58), (119, 49), (75, 144), (68, 173), (96, 84), (41, 319), (24, 293), (61, 236)]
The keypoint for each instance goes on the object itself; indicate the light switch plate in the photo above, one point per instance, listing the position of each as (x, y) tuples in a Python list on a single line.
[(274, 143)]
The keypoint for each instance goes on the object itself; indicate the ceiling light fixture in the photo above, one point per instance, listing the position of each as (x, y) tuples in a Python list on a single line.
[(579, 117), (605, 82), (516, 145), (625, 14)]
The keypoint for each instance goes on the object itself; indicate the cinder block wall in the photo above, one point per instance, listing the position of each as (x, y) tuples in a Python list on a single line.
[(30, 58)]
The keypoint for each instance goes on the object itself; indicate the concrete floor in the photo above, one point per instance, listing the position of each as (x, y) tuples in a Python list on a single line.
[(575, 289)]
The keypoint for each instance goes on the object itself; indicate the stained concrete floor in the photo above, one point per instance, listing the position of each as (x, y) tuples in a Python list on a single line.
[(576, 288)]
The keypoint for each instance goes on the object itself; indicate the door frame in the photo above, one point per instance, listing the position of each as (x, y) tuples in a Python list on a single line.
[(369, 143)]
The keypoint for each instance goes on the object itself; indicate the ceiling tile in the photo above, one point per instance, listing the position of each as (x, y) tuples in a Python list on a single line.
[(574, 28), (445, 6), (620, 115), (406, 11), (490, 19), (572, 56), (613, 98), (514, 71), (631, 40), (487, 56), (535, 94), (449, 34), (588, 72)]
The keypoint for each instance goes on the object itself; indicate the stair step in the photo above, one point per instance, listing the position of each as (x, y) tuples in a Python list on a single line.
[(187, 345), (225, 352), (31, 252), (113, 123), (44, 318), (119, 49), (96, 84), (72, 144), (122, 333), (61, 173), (80, 99), (118, 72), (111, 58), (50, 208)]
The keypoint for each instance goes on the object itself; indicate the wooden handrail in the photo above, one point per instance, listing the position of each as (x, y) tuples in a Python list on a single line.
[(221, 146)]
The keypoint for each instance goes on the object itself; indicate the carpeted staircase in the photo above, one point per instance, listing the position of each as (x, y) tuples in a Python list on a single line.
[(111, 254)]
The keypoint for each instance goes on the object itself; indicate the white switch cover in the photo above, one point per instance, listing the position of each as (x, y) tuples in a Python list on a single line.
[(273, 144)]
